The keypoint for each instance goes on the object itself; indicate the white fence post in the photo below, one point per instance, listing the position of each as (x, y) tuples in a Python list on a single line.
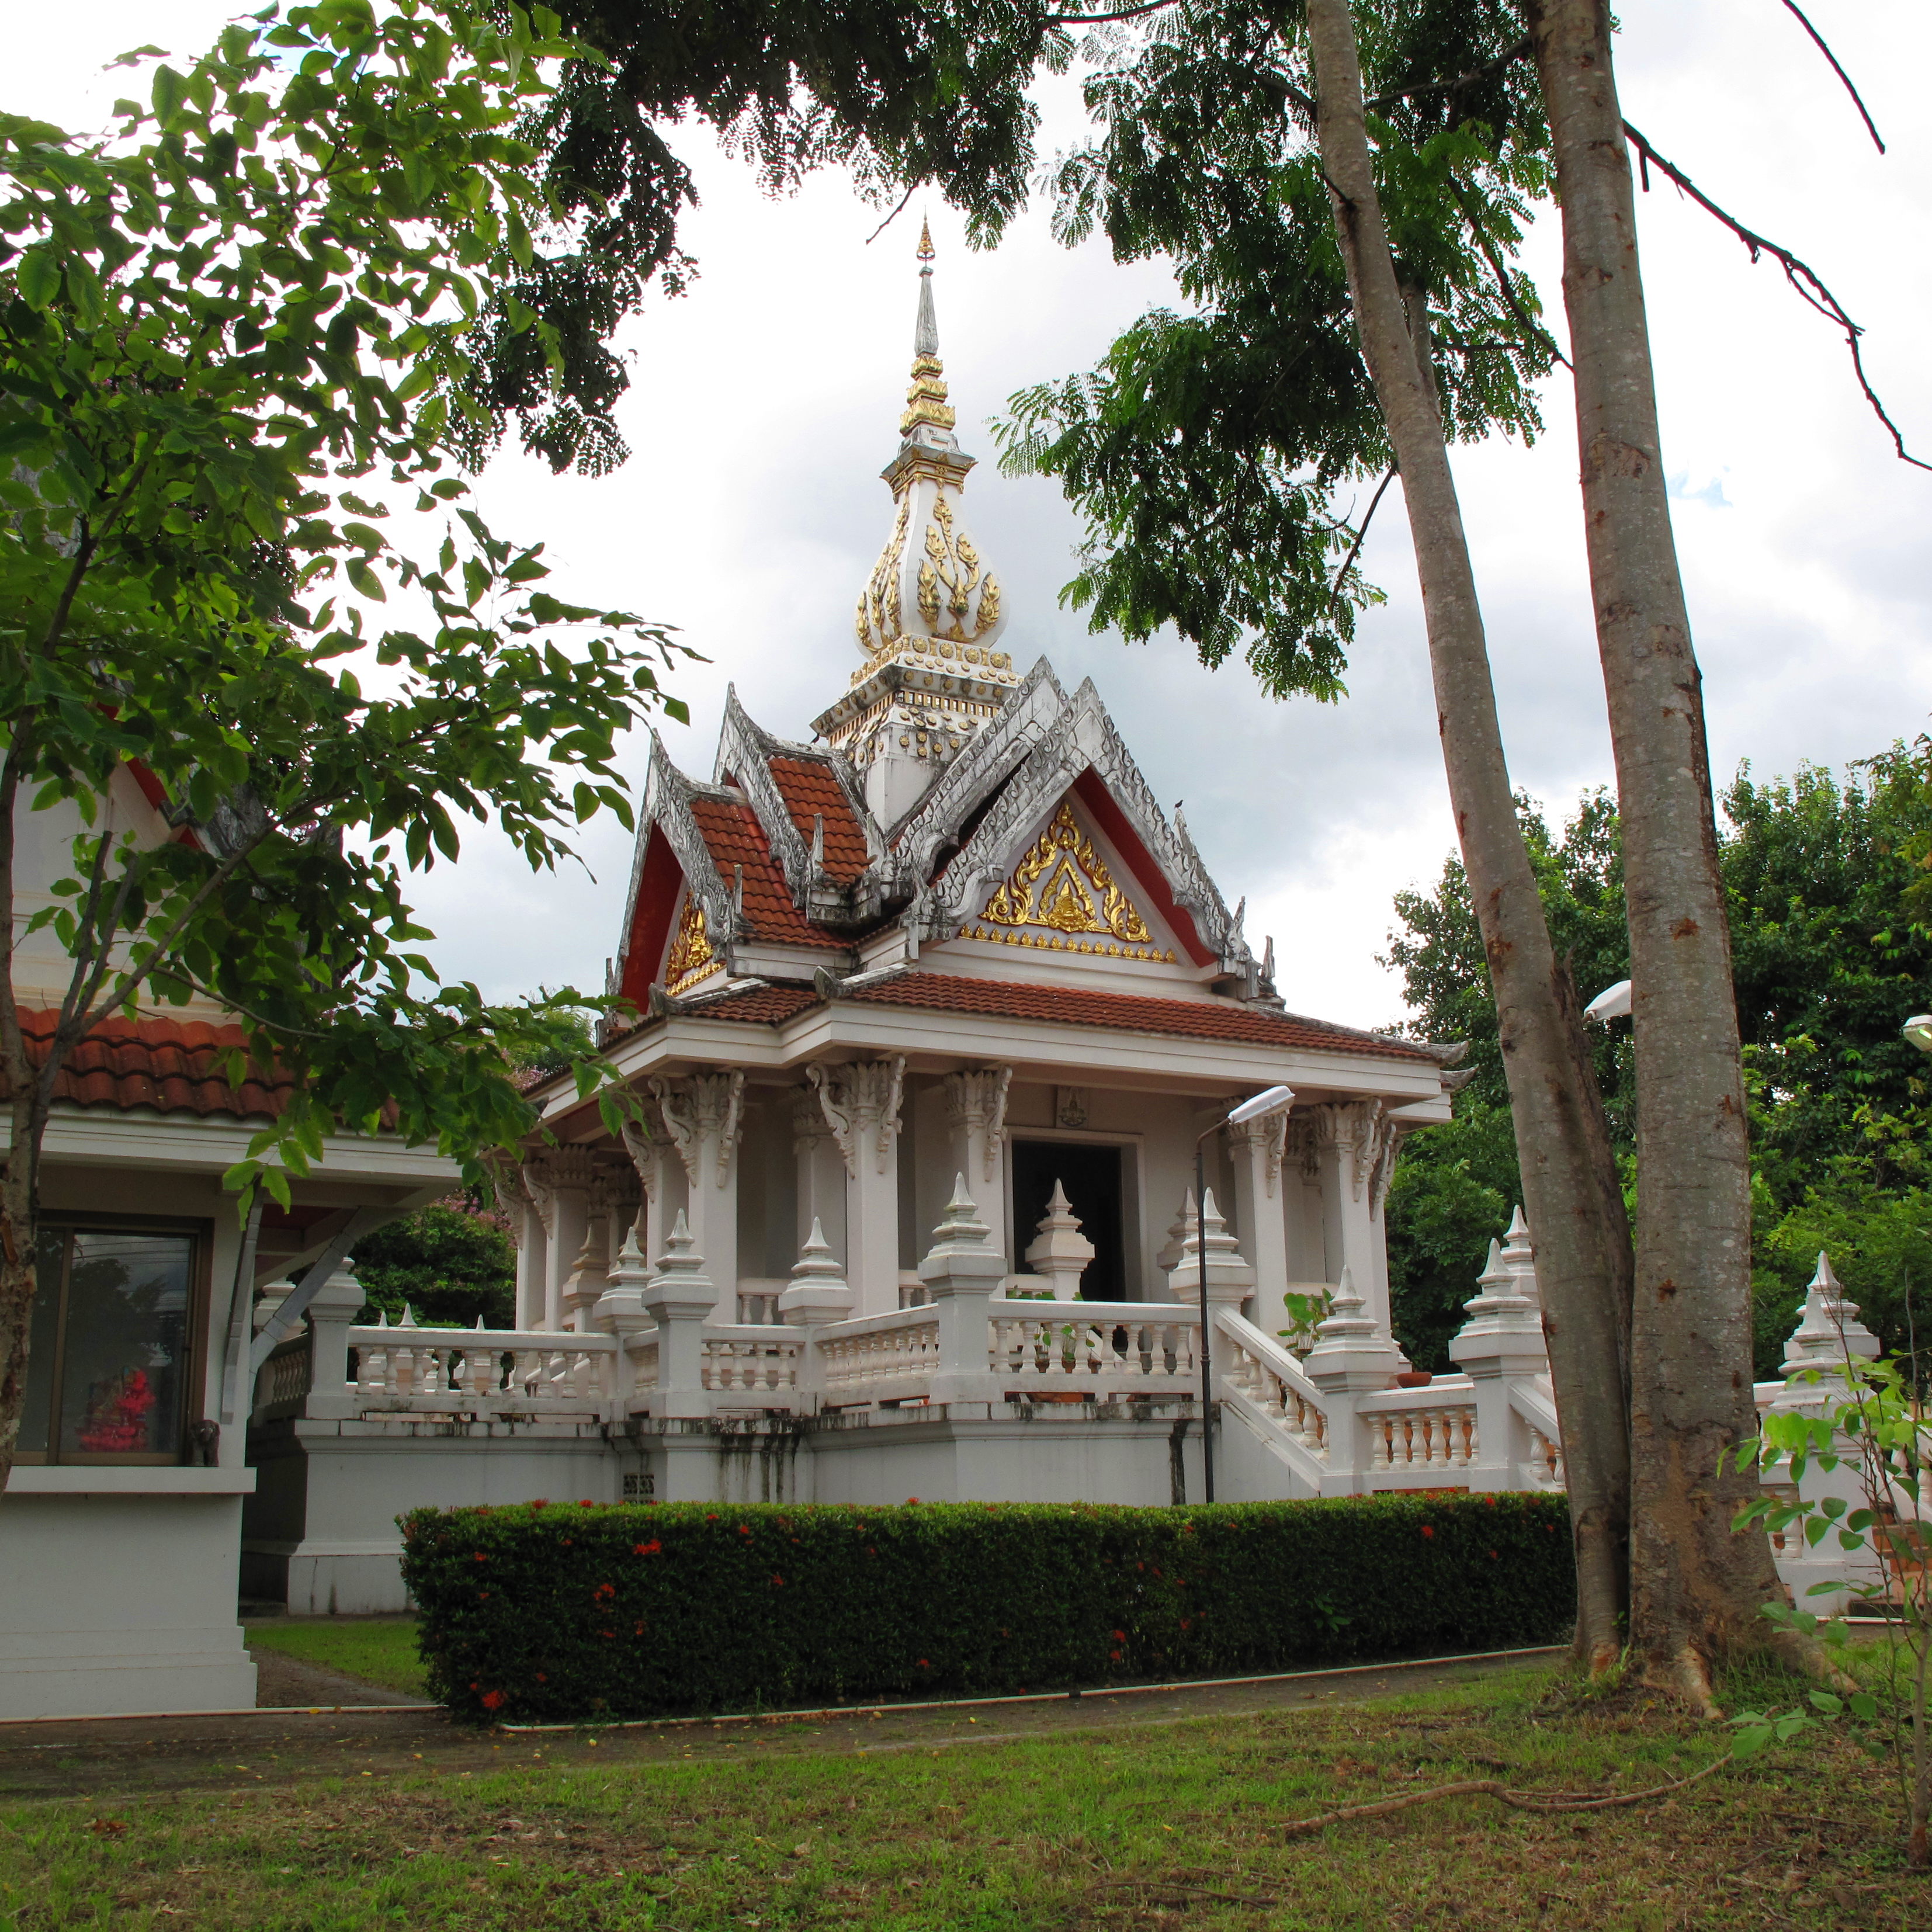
[(961, 1275), (680, 1296)]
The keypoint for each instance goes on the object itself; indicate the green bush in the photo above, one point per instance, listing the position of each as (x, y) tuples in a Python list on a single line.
[(549, 1612)]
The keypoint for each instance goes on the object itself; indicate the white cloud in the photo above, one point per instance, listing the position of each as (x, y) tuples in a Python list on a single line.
[(765, 403)]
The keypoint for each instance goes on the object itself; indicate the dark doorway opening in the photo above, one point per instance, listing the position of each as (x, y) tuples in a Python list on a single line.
[(1091, 1176)]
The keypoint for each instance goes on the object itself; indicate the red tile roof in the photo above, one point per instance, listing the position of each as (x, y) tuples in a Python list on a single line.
[(809, 790), (1123, 1012), (763, 1006), (170, 1066), (733, 837), (1069, 1006)]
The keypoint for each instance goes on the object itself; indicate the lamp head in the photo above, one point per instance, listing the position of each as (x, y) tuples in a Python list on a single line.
[(1919, 1030), (1274, 1100), (1613, 1003)]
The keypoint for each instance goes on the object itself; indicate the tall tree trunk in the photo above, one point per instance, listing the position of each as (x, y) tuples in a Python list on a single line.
[(18, 1189), (1696, 1590), (1569, 1177)]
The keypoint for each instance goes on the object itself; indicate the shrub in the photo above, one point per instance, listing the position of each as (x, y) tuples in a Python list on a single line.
[(548, 1612)]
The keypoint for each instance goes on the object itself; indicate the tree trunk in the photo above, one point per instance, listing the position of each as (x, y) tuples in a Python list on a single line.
[(1569, 1178), (1696, 1590), (18, 1189)]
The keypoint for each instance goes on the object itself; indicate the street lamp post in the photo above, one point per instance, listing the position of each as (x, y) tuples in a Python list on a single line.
[(1274, 1100), (1919, 1030)]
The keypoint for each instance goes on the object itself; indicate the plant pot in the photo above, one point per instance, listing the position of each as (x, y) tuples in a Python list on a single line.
[(1414, 1378)]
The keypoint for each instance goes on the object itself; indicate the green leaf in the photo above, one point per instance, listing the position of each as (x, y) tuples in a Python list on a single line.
[(365, 580), (38, 277)]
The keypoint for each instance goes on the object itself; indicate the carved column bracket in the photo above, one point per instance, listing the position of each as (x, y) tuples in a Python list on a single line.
[(861, 1102), (977, 1101), (701, 1107)]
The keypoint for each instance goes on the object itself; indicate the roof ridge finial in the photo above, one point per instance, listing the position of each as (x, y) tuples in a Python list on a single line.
[(926, 406)]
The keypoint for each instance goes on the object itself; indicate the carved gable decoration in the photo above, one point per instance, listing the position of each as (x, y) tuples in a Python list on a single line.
[(1061, 898), (690, 958)]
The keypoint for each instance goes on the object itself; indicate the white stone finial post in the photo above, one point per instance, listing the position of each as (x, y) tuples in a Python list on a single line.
[(818, 1295), (1060, 1252), (336, 1303), (680, 1295), (620, 1311), (1828, 1328), (1230, 1279), (1177, 1234), (961, 1275), (1503, 1341), (1351, 1352)]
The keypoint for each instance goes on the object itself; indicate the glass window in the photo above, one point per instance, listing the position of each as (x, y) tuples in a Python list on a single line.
[(108, 1362)]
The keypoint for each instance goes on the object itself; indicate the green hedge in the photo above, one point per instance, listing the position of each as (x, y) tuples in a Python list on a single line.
[(548, 1612)]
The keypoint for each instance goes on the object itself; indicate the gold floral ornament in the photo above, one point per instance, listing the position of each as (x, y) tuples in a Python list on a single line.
[(877, 619), (1078, 895), (692, 958), (948, 574)]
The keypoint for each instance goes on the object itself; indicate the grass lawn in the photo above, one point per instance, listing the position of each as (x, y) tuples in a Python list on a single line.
[(1154, 1826), (381, 1649)]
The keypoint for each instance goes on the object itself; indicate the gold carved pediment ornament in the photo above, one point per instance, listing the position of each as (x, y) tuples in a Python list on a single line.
[(1063, 884), (690, 958), (948, 574)]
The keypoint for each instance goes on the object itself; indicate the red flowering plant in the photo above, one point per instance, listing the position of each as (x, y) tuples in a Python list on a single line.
[(681, 1609)]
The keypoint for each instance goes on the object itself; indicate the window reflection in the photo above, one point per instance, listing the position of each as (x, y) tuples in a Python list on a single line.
[(107, 1368)]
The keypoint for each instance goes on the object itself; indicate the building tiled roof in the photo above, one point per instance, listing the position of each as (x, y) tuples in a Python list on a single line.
[(733, 837), (1123, 1012), (170, 1066), (810, 790), (762, 1005), (1071, 1005)]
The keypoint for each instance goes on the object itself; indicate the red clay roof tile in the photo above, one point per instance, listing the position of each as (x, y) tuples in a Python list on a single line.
[(1070, 1006), (809, 790), (171, 1066), (733, 837)]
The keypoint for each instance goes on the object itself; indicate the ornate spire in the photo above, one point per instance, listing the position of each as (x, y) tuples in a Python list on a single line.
[(930, 614), (928, 419)]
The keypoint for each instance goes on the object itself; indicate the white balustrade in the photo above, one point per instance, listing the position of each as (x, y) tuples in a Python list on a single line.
[(284, 1375), (758, 1300), (879, 1356), (444, 1371), (1432, 1429), (1128, 1347), (751, 1357), (1535, 1408), (1255, 1365)]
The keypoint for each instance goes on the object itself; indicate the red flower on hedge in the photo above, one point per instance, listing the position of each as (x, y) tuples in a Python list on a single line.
[(482, 1556), (542, 1502), (777, 1582), (1114, 1655), (587, 1504), (1120, 1636), (602, 1592), (650, 1549), (494, 1700), (1426, 1531)]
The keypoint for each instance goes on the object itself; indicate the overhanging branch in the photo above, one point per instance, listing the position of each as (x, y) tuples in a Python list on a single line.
[(1804, 280)]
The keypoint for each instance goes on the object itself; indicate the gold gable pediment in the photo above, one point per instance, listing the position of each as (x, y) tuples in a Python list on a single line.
[(692, 958), (1061, 898)]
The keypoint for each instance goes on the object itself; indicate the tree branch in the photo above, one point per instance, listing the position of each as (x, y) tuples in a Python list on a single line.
[(1871, 127), (1099, 19), (1508, 57), (1803, 279), (1494, 1787), (891, 217), (1527, 322), (1361, 531)]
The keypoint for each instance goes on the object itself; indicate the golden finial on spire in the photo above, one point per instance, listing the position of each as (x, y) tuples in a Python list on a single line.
[(926, 401)]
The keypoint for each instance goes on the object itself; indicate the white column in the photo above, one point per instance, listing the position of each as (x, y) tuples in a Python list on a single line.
[(975, 1112), (566, 1173), (661, 1175), (533, 1261), (1256, 1147), (861, 1102), (590, 1272), (704, 1114), (1356, 1141), (821, 1174)]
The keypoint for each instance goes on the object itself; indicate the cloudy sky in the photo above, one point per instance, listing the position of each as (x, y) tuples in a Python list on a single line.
[(764, 403)]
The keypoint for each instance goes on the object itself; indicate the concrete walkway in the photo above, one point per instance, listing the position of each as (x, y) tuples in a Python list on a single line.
[(133, 1757)]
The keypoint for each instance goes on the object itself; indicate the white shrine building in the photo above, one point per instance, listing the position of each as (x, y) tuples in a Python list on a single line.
[(924, 1015)]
